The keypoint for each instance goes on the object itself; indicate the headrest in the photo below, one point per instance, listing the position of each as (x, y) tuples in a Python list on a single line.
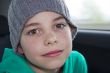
[(4, 30)]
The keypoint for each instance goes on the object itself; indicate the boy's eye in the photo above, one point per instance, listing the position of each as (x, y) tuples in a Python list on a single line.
[(33, 32), (60, 25)]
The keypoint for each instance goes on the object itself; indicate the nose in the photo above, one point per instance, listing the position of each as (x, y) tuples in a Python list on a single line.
[(50, 39)]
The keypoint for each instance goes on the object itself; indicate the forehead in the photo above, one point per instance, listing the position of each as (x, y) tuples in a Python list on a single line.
[(45, 17)]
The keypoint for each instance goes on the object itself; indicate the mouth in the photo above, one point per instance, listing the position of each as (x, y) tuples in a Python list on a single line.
[(53, 53)]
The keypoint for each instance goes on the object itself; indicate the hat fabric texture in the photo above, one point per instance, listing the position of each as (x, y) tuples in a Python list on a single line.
[(20, 11)]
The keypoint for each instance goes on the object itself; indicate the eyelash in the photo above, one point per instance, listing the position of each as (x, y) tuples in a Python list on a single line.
[(33, 32), (60, 26)]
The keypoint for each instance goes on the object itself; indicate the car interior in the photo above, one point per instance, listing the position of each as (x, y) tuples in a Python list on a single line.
[(93, 44)]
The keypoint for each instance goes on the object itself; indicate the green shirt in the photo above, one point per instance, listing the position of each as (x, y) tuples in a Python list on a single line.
[(13, 63)]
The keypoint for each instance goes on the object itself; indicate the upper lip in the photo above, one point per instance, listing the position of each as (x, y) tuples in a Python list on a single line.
[(52, 52)]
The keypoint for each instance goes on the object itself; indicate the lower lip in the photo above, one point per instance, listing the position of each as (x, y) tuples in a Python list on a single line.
[(54, 54)]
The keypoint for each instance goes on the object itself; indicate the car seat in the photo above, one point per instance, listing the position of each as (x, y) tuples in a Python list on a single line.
[(4, 35)]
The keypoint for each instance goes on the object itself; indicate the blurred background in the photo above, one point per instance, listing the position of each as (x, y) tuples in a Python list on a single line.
[(90, 14)]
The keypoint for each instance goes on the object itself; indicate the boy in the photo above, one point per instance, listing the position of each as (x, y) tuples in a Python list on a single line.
[(41, 37)]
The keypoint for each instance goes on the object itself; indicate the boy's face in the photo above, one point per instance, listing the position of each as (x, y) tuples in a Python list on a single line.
[(46, 40)]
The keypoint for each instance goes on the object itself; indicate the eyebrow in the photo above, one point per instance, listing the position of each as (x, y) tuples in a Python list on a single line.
[(31, 24), (58, 18), (35, 24)]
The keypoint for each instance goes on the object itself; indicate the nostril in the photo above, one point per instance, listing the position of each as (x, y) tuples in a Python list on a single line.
[(52, 42)]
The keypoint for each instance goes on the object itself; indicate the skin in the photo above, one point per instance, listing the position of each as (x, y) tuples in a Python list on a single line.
[(43, 33)]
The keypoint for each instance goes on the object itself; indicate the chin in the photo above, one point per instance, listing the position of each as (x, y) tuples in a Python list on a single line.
[(56, 65)]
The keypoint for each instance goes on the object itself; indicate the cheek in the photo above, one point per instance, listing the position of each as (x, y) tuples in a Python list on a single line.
[(31, 46), (65, 36), (31, 49)]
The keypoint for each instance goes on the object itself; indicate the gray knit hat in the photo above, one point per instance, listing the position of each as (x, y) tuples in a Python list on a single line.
[(20, 11)]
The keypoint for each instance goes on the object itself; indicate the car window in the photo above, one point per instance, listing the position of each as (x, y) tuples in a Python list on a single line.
[(90, 14)]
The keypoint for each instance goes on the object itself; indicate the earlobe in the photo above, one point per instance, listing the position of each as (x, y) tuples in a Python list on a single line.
[(20, 50)]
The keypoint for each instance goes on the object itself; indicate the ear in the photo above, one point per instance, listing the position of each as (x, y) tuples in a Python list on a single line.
[(20, 50)]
